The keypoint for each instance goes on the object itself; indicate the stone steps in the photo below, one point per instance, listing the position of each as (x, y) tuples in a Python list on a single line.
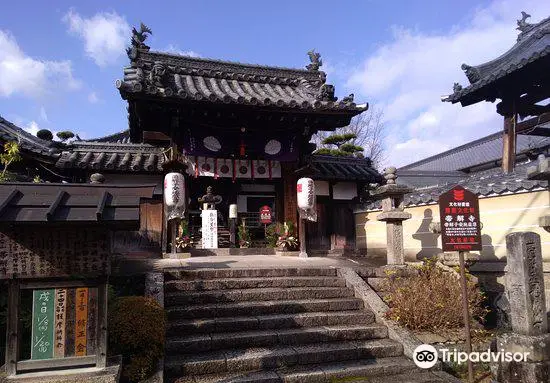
[(384, 370), (237, 360), (275, 325), (252, 283), (269, 322), (259, 294), (276, 337), (215, 310), (202, 274)]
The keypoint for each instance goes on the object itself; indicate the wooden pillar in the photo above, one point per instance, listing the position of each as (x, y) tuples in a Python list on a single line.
[(12, 333), (101, 347), (509, 141), (289, 192)]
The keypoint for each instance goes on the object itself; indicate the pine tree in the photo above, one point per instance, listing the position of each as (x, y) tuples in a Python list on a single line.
[(341, 145)]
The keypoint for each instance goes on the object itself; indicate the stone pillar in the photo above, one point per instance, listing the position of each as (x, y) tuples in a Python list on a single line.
[(525, 289), (392, 195)]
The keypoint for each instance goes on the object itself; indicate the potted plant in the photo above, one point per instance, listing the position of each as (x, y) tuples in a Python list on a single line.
[(287, 241), (183, 240), (244, 235)]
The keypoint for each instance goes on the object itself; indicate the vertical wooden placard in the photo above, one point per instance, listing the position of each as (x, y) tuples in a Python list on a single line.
[(42, 340), (70, 322), (91, 333), (60, 319), (81, 321)]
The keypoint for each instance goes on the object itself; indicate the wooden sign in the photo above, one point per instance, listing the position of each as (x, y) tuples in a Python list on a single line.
[(460, 224), (60, 321), (55, 252), (80, 344), (265, 215), (209, 229), (42, 345)]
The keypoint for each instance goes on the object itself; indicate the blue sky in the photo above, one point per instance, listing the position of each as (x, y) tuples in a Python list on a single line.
[(59, 60)]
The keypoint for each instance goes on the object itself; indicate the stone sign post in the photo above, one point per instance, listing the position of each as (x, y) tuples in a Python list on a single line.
[(392, 195), (525, 289)]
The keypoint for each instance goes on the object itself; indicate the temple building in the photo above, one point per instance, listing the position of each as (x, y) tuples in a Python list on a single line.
[(244, 130)]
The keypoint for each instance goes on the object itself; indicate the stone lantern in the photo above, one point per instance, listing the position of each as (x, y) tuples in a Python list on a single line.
[(393, 214)]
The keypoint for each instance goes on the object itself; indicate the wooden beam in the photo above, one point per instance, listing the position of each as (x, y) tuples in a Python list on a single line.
[(537, 131), (524, 126), (101, 205), (55, 204), (8, 200), (43, 364)]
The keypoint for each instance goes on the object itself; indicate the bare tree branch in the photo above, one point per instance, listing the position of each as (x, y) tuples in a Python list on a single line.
[(370, 131)]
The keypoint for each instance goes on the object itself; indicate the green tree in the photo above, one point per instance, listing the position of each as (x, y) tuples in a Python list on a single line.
[(9, 156), (65, 135), (341, 145)]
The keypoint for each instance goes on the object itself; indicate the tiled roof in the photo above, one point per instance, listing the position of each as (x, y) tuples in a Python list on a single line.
[(487, 183), (112, 156), (224, 82), (533, 44), (342, 168), (51, 202), (27, 142), (478, 152)]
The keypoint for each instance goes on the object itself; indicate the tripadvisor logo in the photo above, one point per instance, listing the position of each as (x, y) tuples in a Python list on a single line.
[(426, 356)]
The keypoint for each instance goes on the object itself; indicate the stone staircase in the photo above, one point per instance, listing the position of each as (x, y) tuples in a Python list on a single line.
[(276, 325)]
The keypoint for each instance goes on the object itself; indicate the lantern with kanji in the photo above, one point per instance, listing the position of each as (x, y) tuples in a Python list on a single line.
[(174, 195), (305, 189)]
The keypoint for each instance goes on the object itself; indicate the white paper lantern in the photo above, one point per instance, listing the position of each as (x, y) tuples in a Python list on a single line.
[(174, 190), (306, 193), (233, 210)]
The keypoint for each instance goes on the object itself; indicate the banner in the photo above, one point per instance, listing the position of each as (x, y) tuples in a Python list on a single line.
[(279, 146)]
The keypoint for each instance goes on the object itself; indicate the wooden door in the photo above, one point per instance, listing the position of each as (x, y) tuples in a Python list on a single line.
[(342, 227), (317, 232)]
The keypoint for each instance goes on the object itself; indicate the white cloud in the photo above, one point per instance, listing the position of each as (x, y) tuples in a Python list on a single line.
[(93, 98), (43, 114), (171, 48), (21, 74), (32, 128), (409, 74), (105, 35)]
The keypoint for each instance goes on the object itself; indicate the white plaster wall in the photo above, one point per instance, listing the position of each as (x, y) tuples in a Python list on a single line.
[(344, 190), (322, 188)]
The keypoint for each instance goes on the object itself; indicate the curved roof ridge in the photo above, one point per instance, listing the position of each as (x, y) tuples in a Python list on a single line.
[(457, 149), (229, 62)]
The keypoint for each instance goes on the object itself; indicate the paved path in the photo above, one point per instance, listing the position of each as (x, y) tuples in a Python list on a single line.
[(133, 266)]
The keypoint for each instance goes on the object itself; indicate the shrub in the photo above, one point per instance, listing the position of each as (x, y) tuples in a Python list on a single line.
[(272, 234), (44, 134), (431, 300), (136, 330), (245, 239)]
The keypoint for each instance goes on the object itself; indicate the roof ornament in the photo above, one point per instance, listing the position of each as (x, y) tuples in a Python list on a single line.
[(348, 99), (137, 41), (326, 93), (471, 72), (457, 87), (315, 59), (523, 25)]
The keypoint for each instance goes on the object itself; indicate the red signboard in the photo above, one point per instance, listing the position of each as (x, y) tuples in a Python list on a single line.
[(265, 215), (460, 224)]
